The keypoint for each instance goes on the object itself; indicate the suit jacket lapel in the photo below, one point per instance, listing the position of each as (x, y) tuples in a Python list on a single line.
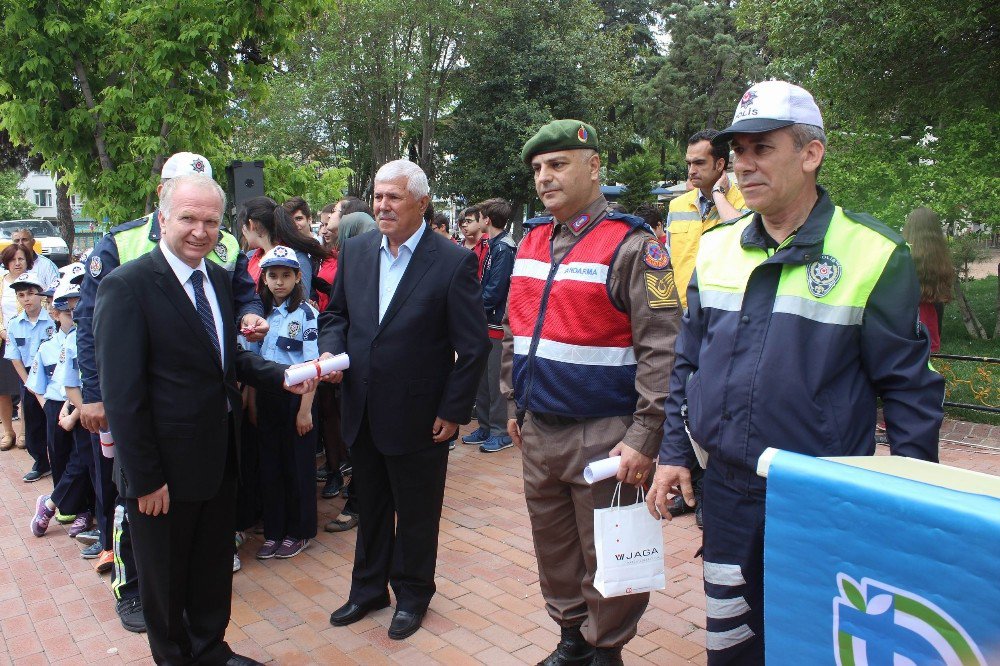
[(422, 259), (166, 280)]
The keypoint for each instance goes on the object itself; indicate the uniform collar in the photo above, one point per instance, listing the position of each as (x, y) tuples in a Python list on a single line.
[(583, 219), (810, 234), (154, 228)]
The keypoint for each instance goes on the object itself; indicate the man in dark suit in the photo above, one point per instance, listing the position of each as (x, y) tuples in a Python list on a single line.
[(166, 351), (407, 309)]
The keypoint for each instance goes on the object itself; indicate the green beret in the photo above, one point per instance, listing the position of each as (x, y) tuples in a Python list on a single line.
[(565, 134)]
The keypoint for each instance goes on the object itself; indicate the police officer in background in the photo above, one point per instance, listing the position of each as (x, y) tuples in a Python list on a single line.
[(799, 316), (122, 244), (593, 314)]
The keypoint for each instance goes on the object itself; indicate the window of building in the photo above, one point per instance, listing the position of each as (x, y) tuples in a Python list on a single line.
[(43, 198)]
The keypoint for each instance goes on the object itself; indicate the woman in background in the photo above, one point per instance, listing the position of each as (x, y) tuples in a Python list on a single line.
[(935, 270)]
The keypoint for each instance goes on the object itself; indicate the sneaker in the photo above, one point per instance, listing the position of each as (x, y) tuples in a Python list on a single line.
[(321, 474), (291, 548), (239, 538), (237, 565), (43, 515), (496, 443), (106, 562), (346, 469), (81, 524), (334, 484), (451, 445), (92, 552), (130, 613), (34, 475), (267, 550), (89, 537), (62, 519), (477, 436)]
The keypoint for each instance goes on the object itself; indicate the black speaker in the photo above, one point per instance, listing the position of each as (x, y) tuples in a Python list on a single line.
[(246, 181)]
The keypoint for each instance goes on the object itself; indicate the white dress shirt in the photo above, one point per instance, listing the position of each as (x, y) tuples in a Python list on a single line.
[(391, 269), (183, 273)]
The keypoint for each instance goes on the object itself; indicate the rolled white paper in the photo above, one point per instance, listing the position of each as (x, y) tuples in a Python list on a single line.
[(601, 469), (315, 369), (107, 444)]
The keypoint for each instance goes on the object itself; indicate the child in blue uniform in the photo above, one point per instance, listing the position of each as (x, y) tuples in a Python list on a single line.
[(25, 333), (285, 421), (68, 443)]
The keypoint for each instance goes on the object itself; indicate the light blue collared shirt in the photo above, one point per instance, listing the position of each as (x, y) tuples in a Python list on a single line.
[(391, 269)]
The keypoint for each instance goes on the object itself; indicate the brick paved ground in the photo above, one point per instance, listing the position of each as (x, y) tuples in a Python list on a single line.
[(55, 609)]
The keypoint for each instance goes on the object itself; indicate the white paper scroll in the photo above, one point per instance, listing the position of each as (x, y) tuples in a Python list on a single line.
[(601, 469), (107, 444), (315, 369)]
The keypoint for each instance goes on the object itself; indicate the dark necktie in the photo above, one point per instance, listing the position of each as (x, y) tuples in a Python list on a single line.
[(205, 310)]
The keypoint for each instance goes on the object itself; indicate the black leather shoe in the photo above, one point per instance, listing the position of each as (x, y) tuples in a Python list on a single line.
[(351, 612), (404, 624), (240, 660), (571, 651), (607, 657), (130, 613)]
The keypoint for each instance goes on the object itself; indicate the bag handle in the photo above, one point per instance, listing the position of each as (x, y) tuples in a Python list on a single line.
[(616, 497)]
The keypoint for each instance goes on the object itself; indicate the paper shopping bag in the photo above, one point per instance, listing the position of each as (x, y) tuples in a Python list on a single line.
[(629, 545)]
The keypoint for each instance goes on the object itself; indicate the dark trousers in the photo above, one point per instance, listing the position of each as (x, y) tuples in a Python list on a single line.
[(328, 402), (73, 492), (33, 417), (185, 560), (287, 468), (248, 498), (104, 491), (399, 505), (734, 572), (126, 581)]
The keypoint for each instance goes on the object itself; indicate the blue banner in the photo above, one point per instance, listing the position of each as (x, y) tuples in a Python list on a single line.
[(862, 567)]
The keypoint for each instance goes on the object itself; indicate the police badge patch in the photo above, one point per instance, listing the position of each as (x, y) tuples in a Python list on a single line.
[(281, 251), (655, 256), (293, 329), (49, 332), (221, 251), (580, 222), (96, 266), (310, 334), (822, 275)]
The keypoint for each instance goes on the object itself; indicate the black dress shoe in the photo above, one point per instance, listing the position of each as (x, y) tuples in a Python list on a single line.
[(334, 484), (351, 612), (571, 651), (240, 660), (404, 624)]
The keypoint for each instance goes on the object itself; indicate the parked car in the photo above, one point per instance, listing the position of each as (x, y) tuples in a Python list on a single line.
[(48, 242)]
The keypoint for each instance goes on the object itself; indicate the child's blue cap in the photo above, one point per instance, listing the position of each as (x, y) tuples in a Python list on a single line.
[(279, 255)]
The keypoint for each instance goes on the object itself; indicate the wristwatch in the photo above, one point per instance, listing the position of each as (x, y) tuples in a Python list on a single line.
[(718, 189)]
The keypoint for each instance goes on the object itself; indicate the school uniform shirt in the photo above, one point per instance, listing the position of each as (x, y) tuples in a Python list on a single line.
[(24, 337), (292, 337), (67, 371), (40, 377)]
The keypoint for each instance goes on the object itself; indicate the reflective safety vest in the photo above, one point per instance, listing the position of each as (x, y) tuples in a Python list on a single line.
[(573, 353), (133, 242), (685, 225)]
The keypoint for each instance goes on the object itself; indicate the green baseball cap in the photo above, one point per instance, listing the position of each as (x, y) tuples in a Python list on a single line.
[(567, 134)]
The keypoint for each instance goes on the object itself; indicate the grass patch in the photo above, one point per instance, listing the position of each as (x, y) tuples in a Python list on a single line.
[(974, 383)]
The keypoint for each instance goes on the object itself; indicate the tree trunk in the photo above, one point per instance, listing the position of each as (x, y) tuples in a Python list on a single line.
[(517, 219), (64, 213), (972, 325)]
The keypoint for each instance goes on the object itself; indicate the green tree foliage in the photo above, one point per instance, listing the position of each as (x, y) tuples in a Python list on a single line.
[(319, 185), (13, 204), (639, 174), (708, 66), (531, 63), (105, 90)]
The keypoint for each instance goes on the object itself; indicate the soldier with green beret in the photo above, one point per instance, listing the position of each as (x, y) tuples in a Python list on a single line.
[(592, 317)]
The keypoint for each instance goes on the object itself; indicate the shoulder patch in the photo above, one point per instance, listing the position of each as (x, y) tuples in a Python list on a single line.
[(634, 220), (310, 334), (221, 251), (654, 255), (661, 290), (867, 220), (96, 266), (310, 312)]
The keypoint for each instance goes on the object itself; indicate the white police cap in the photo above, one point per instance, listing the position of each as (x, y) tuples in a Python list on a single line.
[(279, 255), (186, 164), (28, 279), (771, 105)]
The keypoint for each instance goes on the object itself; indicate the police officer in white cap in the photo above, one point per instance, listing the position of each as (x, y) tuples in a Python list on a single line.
[(800, 316), (122, 244)]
